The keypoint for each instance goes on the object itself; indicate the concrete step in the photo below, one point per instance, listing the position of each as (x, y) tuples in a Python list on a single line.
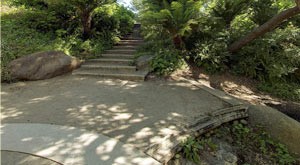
[(130, 47), (120, 51), (108, 68), (138, 76), (110, 61), (122, 56), (131, 38), (132, 41), (126, 43)]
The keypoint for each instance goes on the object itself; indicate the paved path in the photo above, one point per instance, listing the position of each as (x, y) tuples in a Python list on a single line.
[(19, 158), (70, 146), (151, 116)]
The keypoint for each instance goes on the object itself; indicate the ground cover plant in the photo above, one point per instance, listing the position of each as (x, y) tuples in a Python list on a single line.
[(250, 144)]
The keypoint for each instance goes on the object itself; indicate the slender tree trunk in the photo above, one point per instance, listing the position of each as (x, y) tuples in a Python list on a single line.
[(177, 41), (86, 20), (266, 27)]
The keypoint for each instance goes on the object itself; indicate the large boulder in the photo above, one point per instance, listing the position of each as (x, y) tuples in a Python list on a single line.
[(278, 125), (42, 65)]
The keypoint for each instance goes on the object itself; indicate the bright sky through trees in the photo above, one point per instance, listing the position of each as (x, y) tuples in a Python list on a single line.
[(126, 3)]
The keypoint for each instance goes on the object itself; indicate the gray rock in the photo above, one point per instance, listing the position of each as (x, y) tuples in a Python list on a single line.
[(278, 125), (245, 122), (42, 65), (230, 158), (143, 62)]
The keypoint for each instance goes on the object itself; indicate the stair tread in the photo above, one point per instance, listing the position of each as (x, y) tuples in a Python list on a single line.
[(108, 66), (126, 50), (137, 73), (131, 76), (110, 60), (116, 62), (117, 55)]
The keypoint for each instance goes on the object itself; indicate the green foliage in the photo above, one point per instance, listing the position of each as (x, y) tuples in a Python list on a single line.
[(69, 11), (176, 18), (29, 31), (228, 9), (285, 90), (18, 40), (210, 54), (263, 10), (166, 61), (251, 144), (276, 55), (191, 149), (42, 21), (126, 20), (256, 138)]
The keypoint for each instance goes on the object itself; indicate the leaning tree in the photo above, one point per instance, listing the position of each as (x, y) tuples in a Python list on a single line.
[(266, 27)]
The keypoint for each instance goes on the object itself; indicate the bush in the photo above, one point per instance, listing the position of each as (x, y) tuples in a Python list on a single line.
[(18, 40), (126, 20), (285, 90), (275, 57), (41, 21), (210, 54), (166, 61), (25, 32)]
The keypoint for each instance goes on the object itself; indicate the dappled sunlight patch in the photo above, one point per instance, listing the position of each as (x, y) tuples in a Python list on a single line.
[(171, 130), (3, 93), (122, 116), (132, 85), (10, 113), (111, 82), (68, 145), (86, 139), (27, 139), (144, 132), (39, 99), (107, 146), (117, 108), (85, 108)]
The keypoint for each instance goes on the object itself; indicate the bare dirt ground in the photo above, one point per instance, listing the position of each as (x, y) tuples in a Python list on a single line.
[(243, 88)]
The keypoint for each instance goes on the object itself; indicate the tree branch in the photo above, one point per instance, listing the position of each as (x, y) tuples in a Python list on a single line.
[(266, 27)]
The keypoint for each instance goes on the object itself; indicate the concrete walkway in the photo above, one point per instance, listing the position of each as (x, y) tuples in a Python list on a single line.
[(69, 145), (151, 116)]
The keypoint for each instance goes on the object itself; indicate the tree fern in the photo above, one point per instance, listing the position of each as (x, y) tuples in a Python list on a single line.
[(176, 17)]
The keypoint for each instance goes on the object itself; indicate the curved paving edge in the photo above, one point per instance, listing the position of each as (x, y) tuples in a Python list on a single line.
[(171, 145), (17, 158), (70, 146)]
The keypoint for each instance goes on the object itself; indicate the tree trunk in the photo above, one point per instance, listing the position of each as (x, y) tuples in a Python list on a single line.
[(177, 41), (86, 20), (266, 27)]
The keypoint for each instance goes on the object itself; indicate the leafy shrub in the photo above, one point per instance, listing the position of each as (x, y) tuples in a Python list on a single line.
[(211, 55), (22, 35), (41, 20), (102, 21), (263, 10), (166, 61), (126, 20), (276, 55), (18, 40), (285, 90), (119, 21), (257, 139), (191, 149)]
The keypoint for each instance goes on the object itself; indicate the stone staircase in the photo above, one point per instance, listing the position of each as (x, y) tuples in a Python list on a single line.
[(117, 62)]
